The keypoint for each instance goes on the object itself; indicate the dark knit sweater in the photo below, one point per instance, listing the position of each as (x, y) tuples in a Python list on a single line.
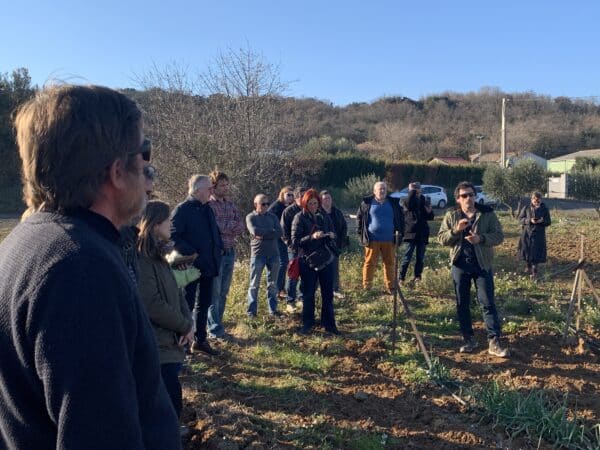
[(78, 360)]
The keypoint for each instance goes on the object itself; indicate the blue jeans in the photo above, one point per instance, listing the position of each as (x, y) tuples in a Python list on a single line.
[(409, 248), (283, 262), (170, 377), (324, 277), (462, 276), (220, 289), (257, 264)]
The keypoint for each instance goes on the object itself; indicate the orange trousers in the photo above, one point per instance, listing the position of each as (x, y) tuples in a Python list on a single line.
[(372, 252)]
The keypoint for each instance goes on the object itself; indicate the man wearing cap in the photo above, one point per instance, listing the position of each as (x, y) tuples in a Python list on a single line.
[(417, 211), (265, 231)]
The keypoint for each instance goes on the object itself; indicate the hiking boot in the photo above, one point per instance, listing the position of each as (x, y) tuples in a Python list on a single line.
[(495, 349), (204, 347), (469, 345), (338, 294)]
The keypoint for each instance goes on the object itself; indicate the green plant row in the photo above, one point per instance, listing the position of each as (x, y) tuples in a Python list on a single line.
[(537, 414)]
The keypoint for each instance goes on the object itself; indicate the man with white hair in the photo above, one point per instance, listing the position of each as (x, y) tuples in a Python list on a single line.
[(265, 231), (195, 230), (379, 218)]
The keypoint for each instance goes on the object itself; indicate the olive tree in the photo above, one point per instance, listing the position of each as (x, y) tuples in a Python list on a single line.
[(510, 185)]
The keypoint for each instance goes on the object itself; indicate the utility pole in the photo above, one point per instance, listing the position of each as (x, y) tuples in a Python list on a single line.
[(503, 135), (479, 137)]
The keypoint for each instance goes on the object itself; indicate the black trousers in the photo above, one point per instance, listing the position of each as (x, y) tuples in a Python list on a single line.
[(198, 295)]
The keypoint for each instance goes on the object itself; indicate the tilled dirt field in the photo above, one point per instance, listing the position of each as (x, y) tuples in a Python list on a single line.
[(365, 394)]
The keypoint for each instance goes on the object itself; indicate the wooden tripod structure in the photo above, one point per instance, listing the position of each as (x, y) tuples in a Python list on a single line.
[(581, 278)]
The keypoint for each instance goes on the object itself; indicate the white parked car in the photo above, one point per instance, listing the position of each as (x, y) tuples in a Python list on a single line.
[(436, 194), (484, 199)]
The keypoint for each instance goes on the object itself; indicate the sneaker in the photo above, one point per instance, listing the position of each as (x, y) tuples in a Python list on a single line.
[(496, 349), (291, 309), (469, 345), (275, 315), (400, 282), (204, 347), (304, 330), (282, 295), (338, 294), (416, 280)]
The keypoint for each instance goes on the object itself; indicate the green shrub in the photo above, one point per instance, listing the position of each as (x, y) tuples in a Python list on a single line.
[(361, 186)]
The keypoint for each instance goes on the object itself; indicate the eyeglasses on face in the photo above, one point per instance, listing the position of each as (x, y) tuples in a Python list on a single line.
[(145, 149), (289, 194), (150, 172), (467, 195), (264, 203)]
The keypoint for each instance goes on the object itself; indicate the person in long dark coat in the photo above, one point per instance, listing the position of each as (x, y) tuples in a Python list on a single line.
[(532, 245)]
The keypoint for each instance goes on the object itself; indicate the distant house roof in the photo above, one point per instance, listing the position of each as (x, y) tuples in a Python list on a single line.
[(489, 157), (594, 153), (448, 160)]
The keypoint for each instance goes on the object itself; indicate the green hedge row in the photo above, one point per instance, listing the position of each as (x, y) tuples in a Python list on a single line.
[(335, 171)]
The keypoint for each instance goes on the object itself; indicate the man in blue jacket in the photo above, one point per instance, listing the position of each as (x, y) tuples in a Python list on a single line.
[(79, 364), (195, 230)]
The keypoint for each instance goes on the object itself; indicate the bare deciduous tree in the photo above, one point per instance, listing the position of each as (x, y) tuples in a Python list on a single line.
[(225, 117)]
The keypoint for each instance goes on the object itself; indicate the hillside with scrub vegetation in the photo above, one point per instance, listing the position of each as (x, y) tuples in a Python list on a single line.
[(250, 126)]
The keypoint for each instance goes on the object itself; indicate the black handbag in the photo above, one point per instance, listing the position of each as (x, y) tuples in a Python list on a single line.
[(320, 258)]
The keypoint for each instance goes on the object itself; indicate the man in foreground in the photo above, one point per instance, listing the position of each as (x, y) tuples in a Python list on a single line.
[(79, 364), (472, 230)]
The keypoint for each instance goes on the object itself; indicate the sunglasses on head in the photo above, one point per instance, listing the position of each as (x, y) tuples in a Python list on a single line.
[(149, 172), (145, 150), (467, 195)]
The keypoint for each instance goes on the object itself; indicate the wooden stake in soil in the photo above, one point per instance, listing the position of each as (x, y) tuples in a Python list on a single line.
[(395, 310), (580, 277), (413, 324)]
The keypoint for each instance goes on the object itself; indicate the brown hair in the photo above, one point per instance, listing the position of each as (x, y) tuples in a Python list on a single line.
[(536, 194), (156, 213), (308, 196), (216, 176), (464, 185), (284, 190), (67, 137)]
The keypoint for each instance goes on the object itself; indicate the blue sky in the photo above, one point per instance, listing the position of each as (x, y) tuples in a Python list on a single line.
[(340, 51)]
